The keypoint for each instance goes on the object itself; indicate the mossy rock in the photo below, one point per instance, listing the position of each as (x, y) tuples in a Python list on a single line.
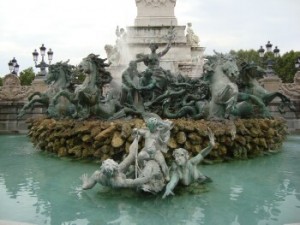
[(101, 139)]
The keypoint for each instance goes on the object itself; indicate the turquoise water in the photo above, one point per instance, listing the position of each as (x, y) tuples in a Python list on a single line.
[(39, 188)]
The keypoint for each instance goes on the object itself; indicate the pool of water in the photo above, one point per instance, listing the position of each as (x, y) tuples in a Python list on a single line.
[(39, 188)]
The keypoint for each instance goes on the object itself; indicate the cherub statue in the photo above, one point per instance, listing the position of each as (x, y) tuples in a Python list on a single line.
[(185, 170), (156, 136)]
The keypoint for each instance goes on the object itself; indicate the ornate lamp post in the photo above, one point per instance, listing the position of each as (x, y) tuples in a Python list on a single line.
[(269, 61), (297, 63), (42, 65), (13, 66)]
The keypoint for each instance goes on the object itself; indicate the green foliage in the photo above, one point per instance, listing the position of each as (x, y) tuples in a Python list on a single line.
[(284, 66), (1, 81), (27, 76), (247, 55)]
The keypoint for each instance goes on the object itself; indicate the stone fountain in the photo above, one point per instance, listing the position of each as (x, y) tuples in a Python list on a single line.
[(164, 110), (135, 129)]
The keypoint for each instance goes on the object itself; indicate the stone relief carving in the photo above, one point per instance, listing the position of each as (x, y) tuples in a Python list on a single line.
[(292, 90), (12, 89), (155, 3)]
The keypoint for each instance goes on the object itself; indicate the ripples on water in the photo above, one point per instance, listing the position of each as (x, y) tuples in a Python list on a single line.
[(39, 188)]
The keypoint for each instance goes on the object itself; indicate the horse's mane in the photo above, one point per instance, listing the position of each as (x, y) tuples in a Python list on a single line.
[(95, 59), (103, 76), (246, 69), (68, 69)]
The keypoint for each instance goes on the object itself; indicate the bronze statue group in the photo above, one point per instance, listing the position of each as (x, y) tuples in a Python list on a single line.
[(224, 91)]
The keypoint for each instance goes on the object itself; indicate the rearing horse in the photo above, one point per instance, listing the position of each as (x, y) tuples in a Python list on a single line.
[(222, 75), (58, 79), (249, 74), (89, 92)]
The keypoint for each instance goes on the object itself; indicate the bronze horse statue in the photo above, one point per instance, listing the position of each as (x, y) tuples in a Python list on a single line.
[(256, 98), (58, 79), (212, 97), (89, 93), (222, 75)]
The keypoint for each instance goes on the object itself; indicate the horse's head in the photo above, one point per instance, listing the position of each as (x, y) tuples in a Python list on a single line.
[(92, 64), (86, 65), (53, 74), (59, 73), (250, 71), (230, 68), (94, 69)]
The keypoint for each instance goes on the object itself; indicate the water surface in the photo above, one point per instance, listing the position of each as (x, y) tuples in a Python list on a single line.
[(39, 188)]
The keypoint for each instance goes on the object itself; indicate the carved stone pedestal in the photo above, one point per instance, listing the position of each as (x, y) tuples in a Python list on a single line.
[(272, 83), (13, 96), (292, 91), (38, 84), (12, 89)]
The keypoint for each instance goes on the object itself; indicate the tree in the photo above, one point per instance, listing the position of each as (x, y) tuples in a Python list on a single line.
[(27, 76), (247, 55), (284, 66), (1, 81)]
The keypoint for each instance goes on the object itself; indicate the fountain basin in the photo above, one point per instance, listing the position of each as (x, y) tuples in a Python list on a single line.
[(40, 188)]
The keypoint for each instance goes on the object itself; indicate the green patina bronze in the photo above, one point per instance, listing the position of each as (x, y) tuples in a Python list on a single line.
[(224, 94), (224, 91), (256, 95), (58, 79)]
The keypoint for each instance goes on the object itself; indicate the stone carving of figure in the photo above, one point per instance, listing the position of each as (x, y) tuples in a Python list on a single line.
[(112, 174), (191, 38), (12, 89), (292, 90), (185, 170), (113, 55), (156, 136), (121, 45)]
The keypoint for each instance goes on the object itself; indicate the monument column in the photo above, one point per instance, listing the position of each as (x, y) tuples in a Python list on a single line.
[(154, 20), (155, 13)]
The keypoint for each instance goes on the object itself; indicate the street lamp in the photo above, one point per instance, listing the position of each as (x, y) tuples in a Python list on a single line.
[(13, 66), (42, 65), (297, 63), (269, 61)]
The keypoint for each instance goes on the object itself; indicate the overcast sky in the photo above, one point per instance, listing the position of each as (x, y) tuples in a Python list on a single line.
[(73, 29)]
